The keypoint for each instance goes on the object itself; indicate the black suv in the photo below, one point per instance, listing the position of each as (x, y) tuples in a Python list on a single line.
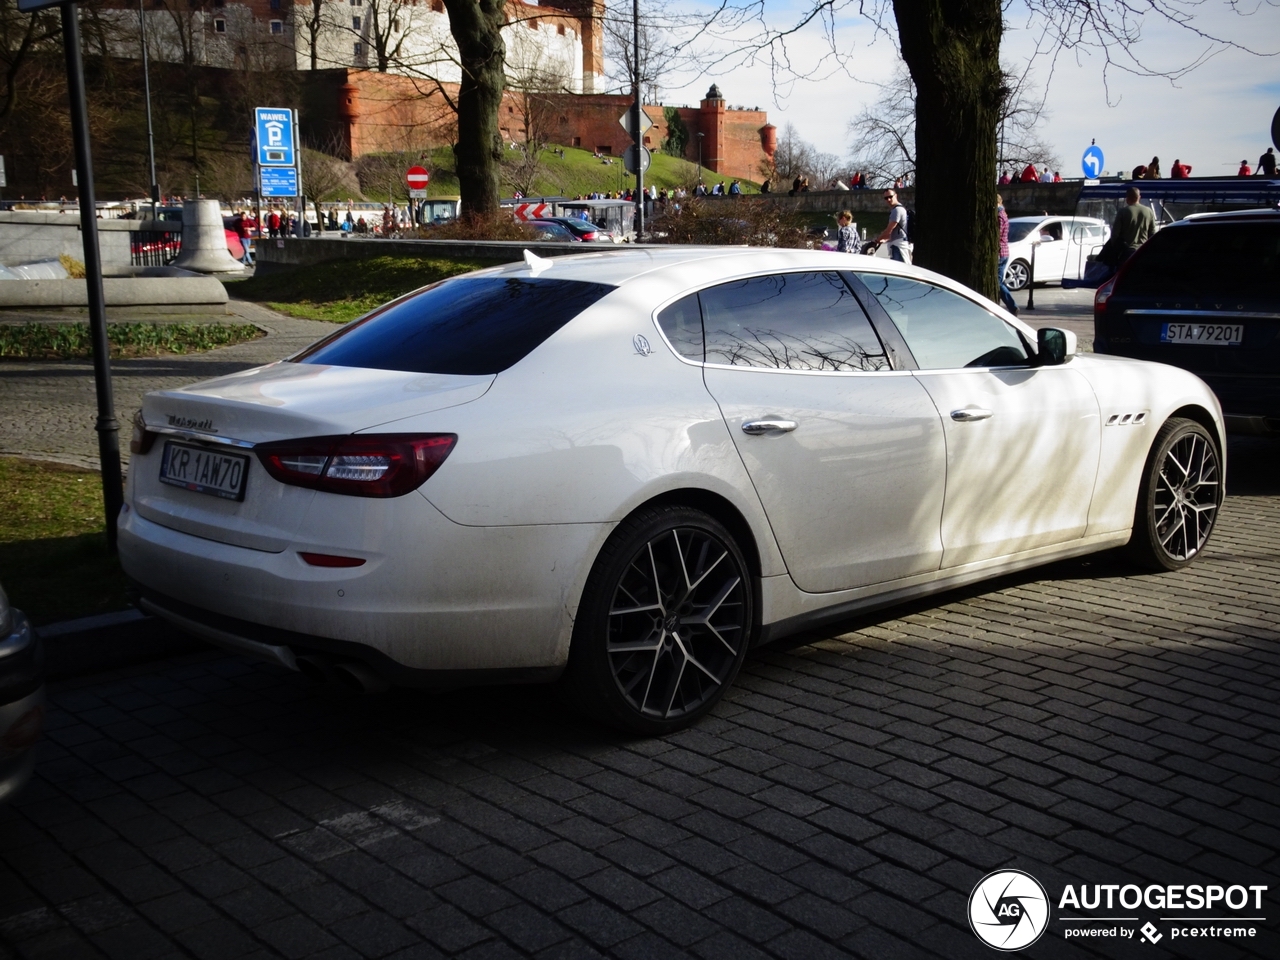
[(1204, 294)]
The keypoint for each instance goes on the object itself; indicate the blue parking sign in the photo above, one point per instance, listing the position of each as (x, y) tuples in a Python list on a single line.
[(273, 127), (1091, 162), (279, 182)]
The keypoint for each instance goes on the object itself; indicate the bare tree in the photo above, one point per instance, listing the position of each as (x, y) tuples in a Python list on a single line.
[(659, 53), (884, 135), (952, 50), (476, 26)]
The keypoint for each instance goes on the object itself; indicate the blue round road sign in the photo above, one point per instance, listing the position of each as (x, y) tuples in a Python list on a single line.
[(1091, 162)]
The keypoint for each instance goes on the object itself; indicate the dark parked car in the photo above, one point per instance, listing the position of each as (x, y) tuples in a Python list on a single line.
[(1204, 294), (21, 698), (584, 230), (555, 232)]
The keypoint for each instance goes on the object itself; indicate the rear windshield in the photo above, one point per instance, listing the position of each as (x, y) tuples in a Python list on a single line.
[(469, 325), (1236, 260)]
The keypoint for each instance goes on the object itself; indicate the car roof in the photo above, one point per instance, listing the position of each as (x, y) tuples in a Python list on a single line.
[(1264, 215), (1055, 216), (674, 265)]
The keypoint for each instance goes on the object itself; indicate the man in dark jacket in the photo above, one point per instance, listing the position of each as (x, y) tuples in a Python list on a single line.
[(1132, 225)]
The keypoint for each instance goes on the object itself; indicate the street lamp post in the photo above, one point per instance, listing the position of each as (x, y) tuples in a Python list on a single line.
[(700, 136), (146, 83)]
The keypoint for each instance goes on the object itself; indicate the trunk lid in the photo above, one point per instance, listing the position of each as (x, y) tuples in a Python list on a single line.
[(230, 414)]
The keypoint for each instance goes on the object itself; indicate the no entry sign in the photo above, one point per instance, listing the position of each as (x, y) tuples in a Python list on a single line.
[(417, 178)]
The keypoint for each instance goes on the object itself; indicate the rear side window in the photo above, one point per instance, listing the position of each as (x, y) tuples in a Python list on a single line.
[(469, 325), (1239, 261), (944, 330), (789, 321), (682, 323)]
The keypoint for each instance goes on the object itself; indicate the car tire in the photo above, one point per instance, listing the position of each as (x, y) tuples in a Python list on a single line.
[(1179, 498), (666, 619), (1016, 275)]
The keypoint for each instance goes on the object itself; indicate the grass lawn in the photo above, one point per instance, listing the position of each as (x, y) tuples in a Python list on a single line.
[(53, 547), (342, 290), (577, 172), (73, 341)]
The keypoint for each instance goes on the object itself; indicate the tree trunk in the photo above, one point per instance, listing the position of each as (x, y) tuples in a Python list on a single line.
[(476, 26), (952, 48)]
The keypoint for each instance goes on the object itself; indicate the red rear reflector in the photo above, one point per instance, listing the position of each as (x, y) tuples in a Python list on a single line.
[(329, 560), (25, 730)]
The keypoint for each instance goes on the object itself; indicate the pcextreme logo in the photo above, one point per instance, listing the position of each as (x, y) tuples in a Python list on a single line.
[(1008, 910)]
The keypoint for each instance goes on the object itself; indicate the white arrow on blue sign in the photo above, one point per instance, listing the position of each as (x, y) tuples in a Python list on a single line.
[(274, 128), (1092, 162)]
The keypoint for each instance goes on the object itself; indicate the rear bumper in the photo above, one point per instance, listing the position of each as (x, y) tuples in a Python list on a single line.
[(432, 596)]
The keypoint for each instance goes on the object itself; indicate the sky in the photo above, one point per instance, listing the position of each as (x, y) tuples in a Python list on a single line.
[(1211, 118)]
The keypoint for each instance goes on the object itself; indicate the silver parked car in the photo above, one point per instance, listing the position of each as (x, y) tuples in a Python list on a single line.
[(21, 698)]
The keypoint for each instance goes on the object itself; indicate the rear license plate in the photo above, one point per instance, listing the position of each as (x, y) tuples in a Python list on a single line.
[(1208, 334), (203, 470)]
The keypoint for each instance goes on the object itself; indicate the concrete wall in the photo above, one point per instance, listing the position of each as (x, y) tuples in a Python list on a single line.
[(1020, 199), (27, 235), (140, 294)]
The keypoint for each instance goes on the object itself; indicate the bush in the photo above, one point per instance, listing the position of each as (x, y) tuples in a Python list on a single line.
[(720, 222), (471, 226)]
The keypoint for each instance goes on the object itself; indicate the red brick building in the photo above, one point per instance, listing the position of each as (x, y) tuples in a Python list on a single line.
[(377, 112)]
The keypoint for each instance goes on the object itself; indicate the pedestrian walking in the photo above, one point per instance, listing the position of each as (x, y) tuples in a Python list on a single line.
[(846, 233), (1002, 221), (895, 234)]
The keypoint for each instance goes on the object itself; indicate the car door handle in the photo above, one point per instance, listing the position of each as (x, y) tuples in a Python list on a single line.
[(969, 414), (757, 428)]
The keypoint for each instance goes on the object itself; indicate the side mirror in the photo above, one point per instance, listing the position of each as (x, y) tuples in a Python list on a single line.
[(1054, 347)]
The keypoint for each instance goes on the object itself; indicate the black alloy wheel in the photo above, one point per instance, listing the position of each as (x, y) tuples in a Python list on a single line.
[(1178, 502), (666, 619)]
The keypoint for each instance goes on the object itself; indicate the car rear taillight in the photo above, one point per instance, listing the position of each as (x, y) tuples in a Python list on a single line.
[(142, 439), (590, 235), (386, 465), (1104, 293)]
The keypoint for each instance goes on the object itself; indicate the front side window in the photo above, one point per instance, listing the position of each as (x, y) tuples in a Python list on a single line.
[(944, 330), (789, 321), (464, 326)]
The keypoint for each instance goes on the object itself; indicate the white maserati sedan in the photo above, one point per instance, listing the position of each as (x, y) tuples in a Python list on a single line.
[(625, 469)]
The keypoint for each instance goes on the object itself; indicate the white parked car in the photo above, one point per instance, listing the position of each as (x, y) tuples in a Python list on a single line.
[(1064, 245), (639, 464)]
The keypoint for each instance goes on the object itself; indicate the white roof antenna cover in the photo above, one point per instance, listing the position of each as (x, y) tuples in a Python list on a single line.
[(536, 263)]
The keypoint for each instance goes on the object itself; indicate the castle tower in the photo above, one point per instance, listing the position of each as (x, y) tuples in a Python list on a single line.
[(591, 15), (711, 124)]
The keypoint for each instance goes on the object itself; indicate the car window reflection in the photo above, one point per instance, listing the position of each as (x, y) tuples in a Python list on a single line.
[(791, 321), (944, 330)]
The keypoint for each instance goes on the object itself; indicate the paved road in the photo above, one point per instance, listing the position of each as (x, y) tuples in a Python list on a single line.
[(48, 408), (1081, 722)]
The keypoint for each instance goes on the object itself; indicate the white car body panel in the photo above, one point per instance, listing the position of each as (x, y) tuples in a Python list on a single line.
[(484, 566), (1012, 483), (874, 433)]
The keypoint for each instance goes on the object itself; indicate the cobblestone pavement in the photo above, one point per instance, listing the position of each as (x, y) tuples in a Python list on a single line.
[(1081, 722), (48, 408)]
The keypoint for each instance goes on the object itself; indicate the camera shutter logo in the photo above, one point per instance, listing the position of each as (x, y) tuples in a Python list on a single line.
[(1008, 910)]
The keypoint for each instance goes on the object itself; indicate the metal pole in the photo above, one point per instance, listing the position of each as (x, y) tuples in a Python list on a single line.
[(1031, 278), (635, 127), (107, 427), (146, 85), (297, 159)]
